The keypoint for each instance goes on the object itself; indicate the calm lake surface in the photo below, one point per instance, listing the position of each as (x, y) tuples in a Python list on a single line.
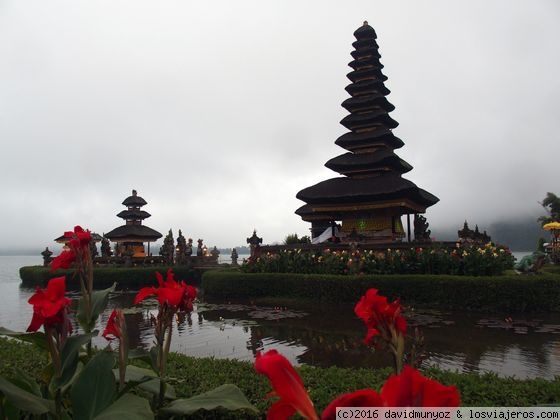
[(527, 347)]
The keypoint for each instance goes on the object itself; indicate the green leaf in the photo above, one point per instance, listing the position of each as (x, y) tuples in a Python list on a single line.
[(69, 358), (152, 386), (26, 382), (128, 406), (153, 358), (146, 380), (10, 411), (139, 354), (24, 400), (137, 374), (99, 299), (227, 396), (95, 388), (38, 338)]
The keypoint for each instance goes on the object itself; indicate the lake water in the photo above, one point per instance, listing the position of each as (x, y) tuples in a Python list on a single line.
[(527, 347)]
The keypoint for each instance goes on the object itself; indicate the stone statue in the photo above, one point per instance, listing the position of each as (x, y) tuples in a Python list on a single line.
[(46, 257), (188, 250), (199, 250), (167, 250), (234, 256), (421, 231), (181, 249), (105, 248), (254, 244), (93, 249), (215, 253)]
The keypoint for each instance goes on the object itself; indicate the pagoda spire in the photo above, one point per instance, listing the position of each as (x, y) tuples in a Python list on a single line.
[(371, 195), (131, 236)]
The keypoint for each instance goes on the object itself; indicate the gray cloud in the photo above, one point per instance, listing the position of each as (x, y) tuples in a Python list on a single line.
[(219, 112)]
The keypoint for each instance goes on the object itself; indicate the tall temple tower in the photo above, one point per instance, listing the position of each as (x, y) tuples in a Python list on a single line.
[(131, 236), (371, 196)]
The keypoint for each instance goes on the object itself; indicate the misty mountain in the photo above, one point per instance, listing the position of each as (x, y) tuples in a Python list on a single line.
[(521, 234)]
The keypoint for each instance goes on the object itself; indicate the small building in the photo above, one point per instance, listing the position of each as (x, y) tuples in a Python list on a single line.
[(131, 236), (371, 195)]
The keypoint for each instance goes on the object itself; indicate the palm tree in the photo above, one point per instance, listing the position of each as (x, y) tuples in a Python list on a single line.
[(551, 204)]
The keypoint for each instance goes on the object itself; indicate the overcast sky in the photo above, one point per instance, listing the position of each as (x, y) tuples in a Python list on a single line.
[(219, 112)]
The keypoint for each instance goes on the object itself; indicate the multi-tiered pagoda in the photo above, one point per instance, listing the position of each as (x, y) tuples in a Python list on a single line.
[(371, 196), (131, 236)]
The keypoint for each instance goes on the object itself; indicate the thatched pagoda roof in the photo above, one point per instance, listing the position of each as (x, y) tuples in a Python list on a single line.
[(138, 233), (360, 163), (134, 200), (360, 190), (373, 185), (134, 214)]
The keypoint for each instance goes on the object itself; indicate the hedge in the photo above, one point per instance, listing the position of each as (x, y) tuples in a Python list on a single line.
[(125, 277), (191, 376), (519, 293)]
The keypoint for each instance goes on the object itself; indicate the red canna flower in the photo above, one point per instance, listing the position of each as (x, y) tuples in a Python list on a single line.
[(408, 389), (50, 305), (78, 241), (169, 292), (361, 398), (411, 389), (381, 317), (64, 260), (287, 385), (113, 329)]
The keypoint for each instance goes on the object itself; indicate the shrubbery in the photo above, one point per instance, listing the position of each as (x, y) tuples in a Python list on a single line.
[(125, 277), (487, 260), (539, 292)]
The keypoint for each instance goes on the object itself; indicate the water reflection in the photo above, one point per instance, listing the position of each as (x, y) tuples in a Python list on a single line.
[(332, 336)]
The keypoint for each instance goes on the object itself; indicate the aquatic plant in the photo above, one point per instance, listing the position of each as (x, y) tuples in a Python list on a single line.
[(406, 388), (80, 384)]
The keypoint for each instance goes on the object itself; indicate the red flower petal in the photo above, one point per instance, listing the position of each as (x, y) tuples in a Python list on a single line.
[(36, 322), (144, 293), (286, 383), (112, 330), (361, 398), (49, 305), (411, 389), (171, 296), (64, 260), (380, 315)]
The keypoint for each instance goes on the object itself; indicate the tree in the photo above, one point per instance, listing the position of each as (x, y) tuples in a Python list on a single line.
[(293, 239), (551, 204), (168, 248)]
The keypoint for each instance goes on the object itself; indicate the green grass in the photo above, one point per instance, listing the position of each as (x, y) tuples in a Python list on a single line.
[(192, 376)]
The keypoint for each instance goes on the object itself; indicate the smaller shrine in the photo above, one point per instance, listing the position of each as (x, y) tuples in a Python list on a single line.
[(469, 236), (131, 236)]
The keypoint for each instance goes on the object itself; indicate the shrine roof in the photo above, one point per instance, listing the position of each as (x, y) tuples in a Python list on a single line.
[(134, 200), (377, 136), (140, 232), (348, 163), (359, 190), (365, 32), (134, 214)]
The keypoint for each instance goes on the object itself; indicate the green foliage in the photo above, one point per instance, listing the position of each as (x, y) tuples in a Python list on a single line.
[(194, 376), (293, 239), (512, 292), (94, 389), (105, 277), (551, 203), (484, 260), (227, 396)]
